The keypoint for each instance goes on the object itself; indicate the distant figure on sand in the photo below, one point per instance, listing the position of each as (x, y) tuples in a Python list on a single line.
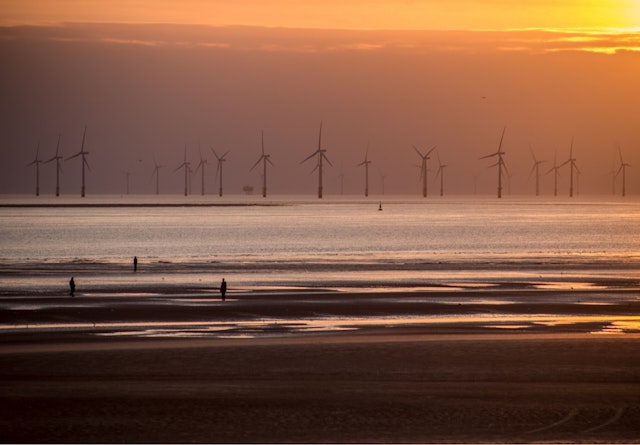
[(135, 263), (72, 287), (223, 289)]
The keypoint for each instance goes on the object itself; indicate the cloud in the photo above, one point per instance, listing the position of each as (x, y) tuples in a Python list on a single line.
[(313, 41)]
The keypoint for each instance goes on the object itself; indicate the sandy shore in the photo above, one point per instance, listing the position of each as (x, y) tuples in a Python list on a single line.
[(470, 367)]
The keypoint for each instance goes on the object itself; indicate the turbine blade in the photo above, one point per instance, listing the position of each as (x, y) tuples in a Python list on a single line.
[(327, 159), (74, 156), (418, 151), (431, 149), (310, 156), (501, 139), (257, 162), (489, 156)]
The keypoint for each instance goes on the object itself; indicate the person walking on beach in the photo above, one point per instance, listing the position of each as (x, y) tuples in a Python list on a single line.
[(135, 263), (72, 287), (223, 289)]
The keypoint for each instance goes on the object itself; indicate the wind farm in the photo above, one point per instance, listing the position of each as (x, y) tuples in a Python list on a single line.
[(343, 184)]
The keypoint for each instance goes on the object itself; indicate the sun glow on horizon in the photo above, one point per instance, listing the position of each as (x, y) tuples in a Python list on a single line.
[(333, 14)]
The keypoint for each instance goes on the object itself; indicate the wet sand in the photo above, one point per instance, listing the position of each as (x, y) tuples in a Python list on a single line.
[(473, 367)]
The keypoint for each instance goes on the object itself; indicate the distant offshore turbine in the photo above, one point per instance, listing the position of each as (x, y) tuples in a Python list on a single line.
[(84, 161), (320, 152), (500, 164), (423, 168), (37, 163), (264, 158), (57, 158)]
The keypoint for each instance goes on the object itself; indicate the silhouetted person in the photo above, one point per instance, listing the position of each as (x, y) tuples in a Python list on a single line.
[(223, 289), (72, 287), (135, 263)]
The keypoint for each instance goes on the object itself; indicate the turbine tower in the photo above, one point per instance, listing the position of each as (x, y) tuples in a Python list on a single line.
[(320, 152), (220, 159), (366, 163), (536, 168), (423, 168), (185, 164), (501, 164), (623, 168), (440, 172), (572, 166), (84, 160), (57, 158), (264, 158), (156, 173), (201, 164), (37, 163)]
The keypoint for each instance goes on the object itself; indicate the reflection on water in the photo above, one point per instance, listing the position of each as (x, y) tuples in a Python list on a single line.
[(282, 327)]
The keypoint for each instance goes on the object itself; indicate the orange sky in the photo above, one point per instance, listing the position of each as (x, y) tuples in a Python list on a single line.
[(343, 14), (550, 71)]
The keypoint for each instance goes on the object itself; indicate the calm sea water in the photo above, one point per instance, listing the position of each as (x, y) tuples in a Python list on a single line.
[(293, 241)]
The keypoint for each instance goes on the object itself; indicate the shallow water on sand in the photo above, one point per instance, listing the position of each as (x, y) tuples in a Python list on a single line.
[(342, 242)]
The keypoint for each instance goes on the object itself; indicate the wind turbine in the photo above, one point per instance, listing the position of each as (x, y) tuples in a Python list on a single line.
[(383, 177), (37, 163), (264, 158), (366, 163), (220, 159), (536, 168), (57, 158), (185, 164), (623, 169), (127, 175), (84, 160), (341, 177), (201, 164), (423, 168), (501, 164), (440, 172), (320, 152), (572, 165), (156, 173), (554, 169)]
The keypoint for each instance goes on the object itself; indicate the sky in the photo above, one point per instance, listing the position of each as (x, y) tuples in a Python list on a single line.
[(149, 78)]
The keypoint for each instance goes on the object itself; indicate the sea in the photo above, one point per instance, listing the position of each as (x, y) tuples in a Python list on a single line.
[(384, 243)]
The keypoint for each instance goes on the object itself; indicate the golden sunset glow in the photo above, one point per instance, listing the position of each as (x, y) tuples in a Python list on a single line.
[(332, 14)]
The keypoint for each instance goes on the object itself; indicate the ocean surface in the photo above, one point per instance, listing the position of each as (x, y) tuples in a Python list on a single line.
[(301, 242)]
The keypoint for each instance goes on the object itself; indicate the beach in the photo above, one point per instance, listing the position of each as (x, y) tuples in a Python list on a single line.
[(439, 366), (459, 322)]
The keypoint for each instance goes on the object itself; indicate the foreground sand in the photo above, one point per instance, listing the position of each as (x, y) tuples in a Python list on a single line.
[(448, 382)]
